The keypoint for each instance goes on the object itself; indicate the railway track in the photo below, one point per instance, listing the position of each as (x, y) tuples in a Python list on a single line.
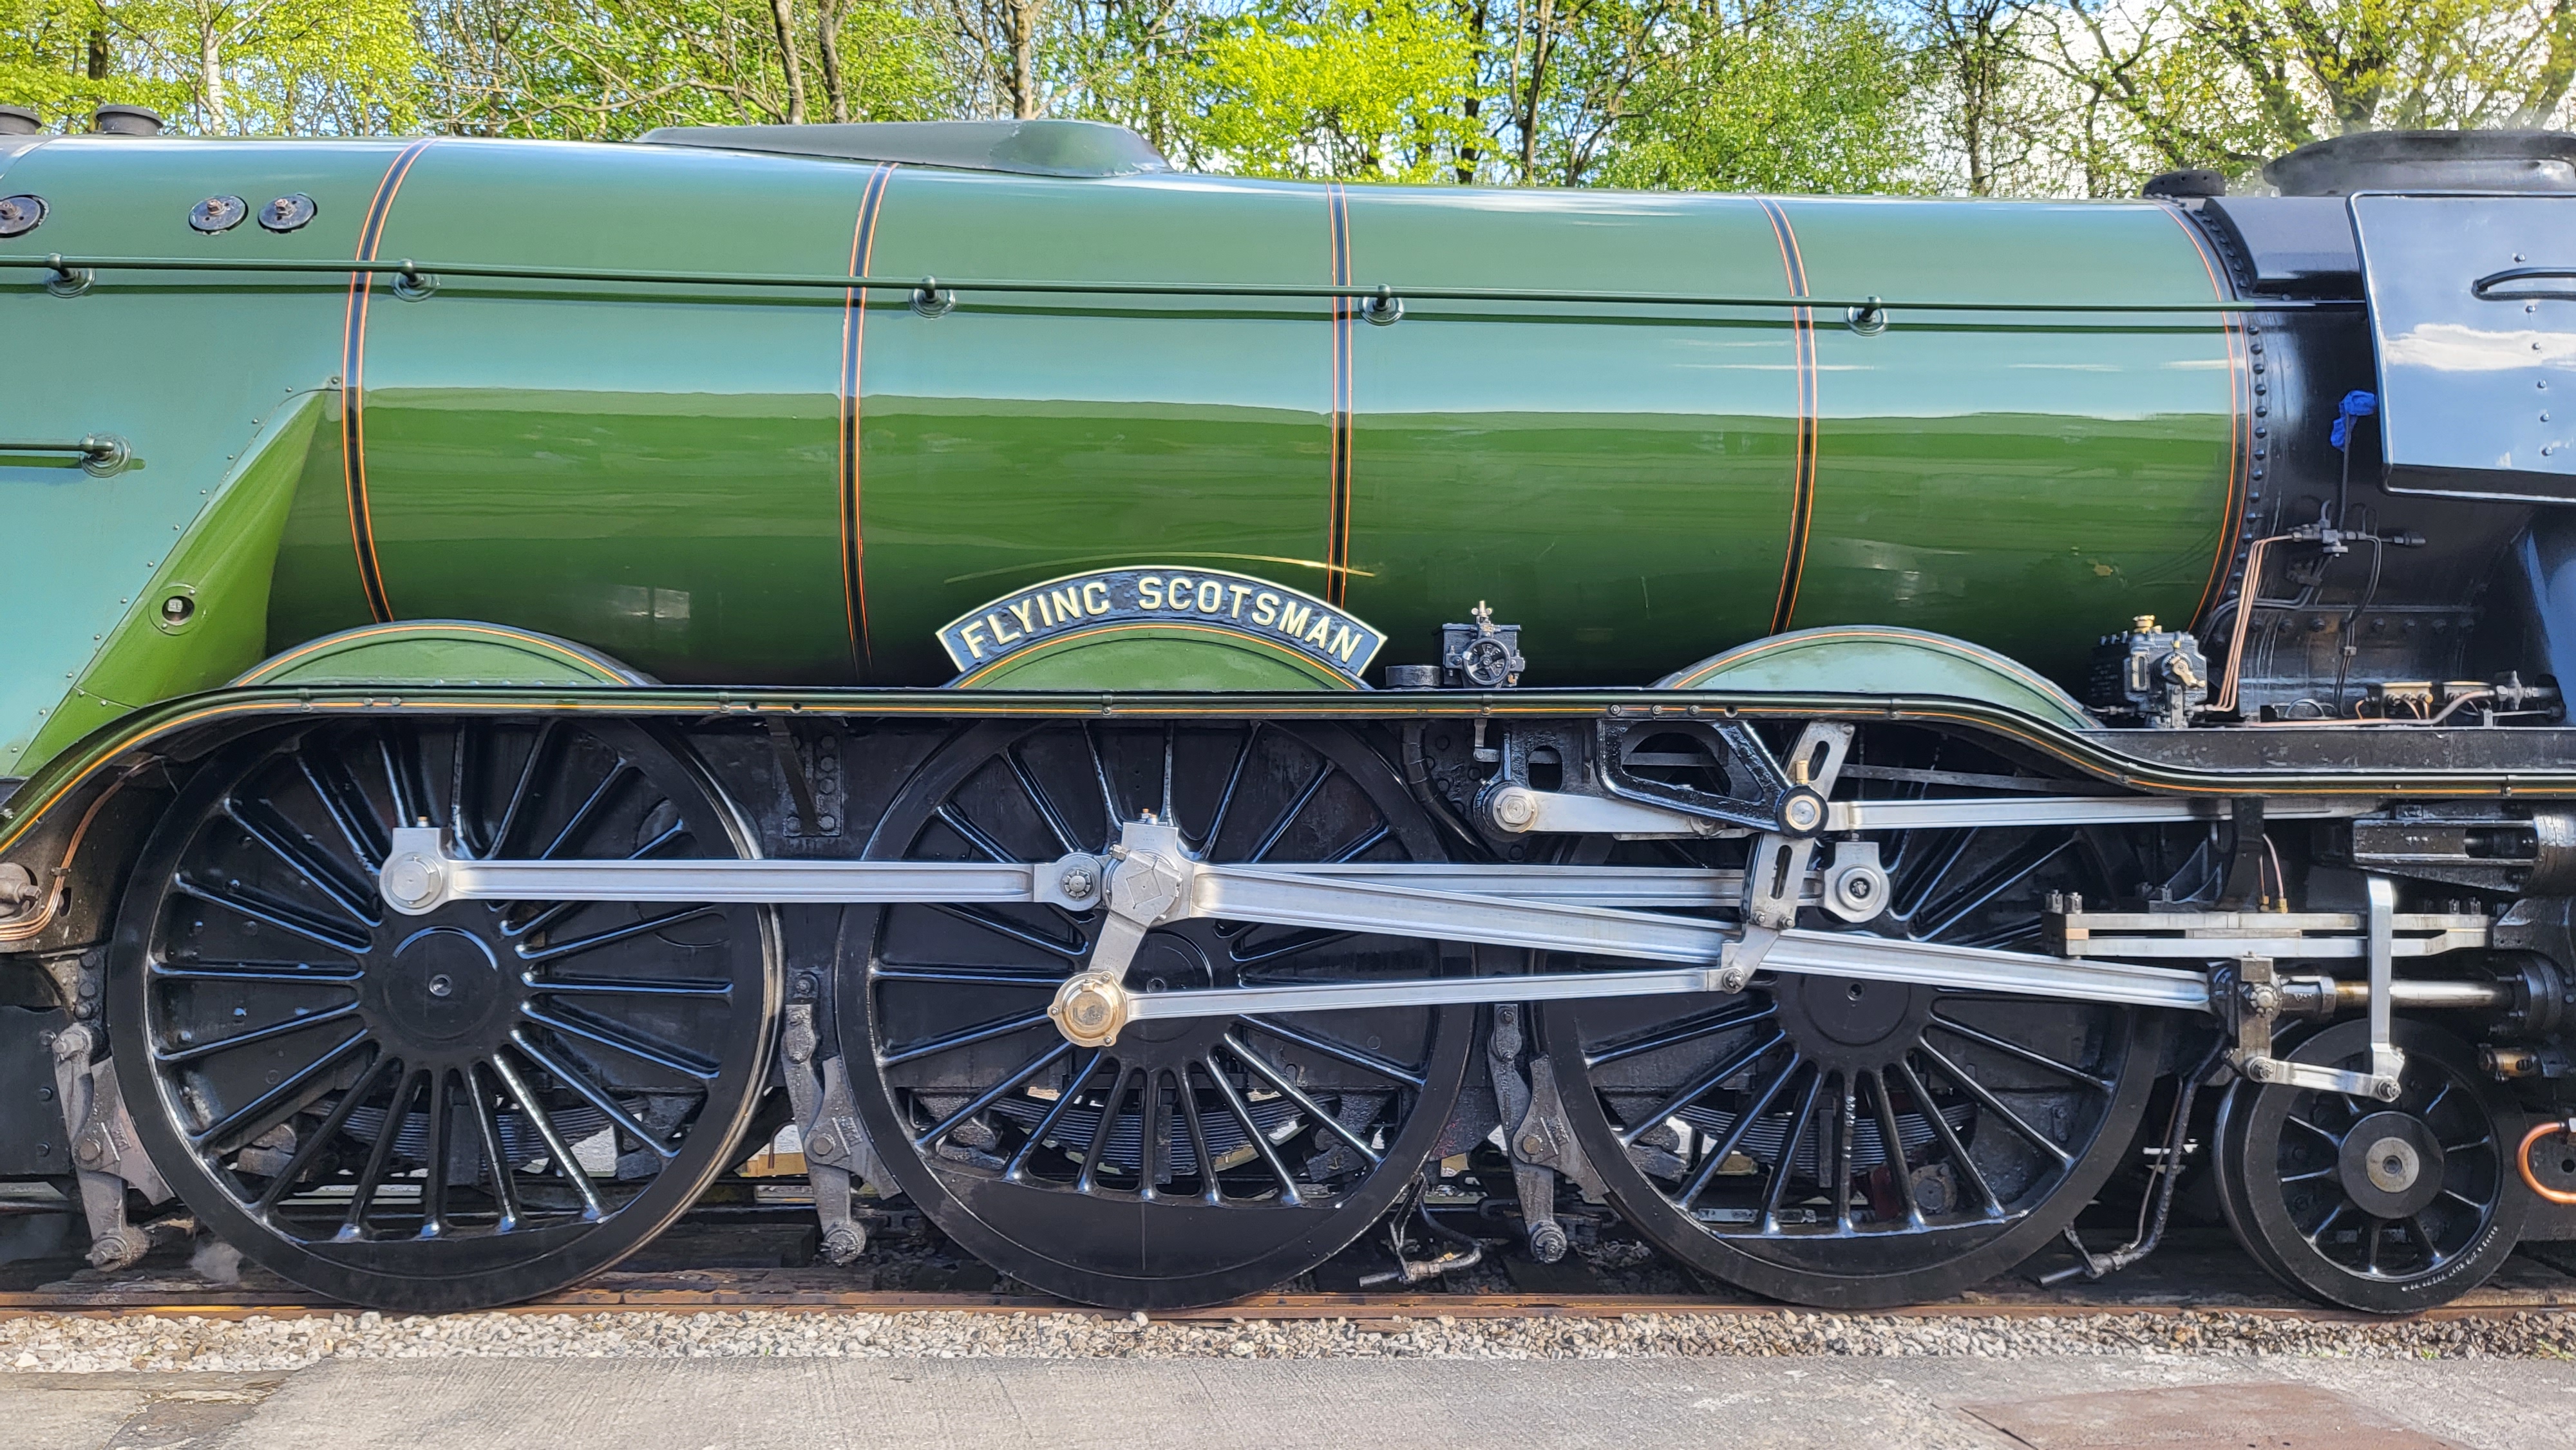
[(2196, 1277)]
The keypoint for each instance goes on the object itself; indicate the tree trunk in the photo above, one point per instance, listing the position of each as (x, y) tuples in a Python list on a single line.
[(210, 75), (98, 55), (1539, 50), (827, 27), (1020, 18), (790, 59)]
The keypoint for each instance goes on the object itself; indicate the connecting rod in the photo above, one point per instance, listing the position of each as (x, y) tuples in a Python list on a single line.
[(1150, 879)]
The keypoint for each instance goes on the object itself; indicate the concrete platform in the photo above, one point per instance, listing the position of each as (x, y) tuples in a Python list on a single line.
[(1635, 1404)]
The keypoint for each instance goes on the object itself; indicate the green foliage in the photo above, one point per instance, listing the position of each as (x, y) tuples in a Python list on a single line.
[(1780, 95), (2084, 97), (1337, 89)]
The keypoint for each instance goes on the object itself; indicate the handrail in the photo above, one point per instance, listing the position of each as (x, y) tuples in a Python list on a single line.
[(99, 453), (421, 273)]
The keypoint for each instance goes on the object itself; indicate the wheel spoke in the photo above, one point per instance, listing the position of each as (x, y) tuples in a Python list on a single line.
[(362, 1195), (624, 987), (1261, 1144), (398, 781), (1100, 773), (993, 1094), (1016, 1171), (2012, 1049), (311, 1147), (1233, 778), (1951, 1148), (1992, 883), (1700, 1086), (347, 806), (2319, 1129), (1846, 1125), (1331, 1123), (558, 1152), (268, 910), (257, 1035), (592, 1093), (433, 1185), (2434, 1258), (973, 835), (1676, 1034), (1995, 1105), (966, 977), (1894, 1143), (1290, 945), (561, 909), (1919, 888), (609, 1036), (1776, 1192), (1735, 1136), (1001, 926), (1366, 1062), (525, 790), (579, 823), (362, 905), (505, 1192), (275, 1101), (2314, 1234), (963, 1037), (1288, 817), (1210, 1189), (1155, 1124), (279, 973), (1055, 822), (556, 951), (1112, 1108), (1361, 847)]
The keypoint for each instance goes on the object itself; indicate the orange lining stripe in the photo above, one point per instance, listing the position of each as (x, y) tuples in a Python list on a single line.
[(268, 669), (353, 398), (2238, 421), (1802, 466), (1337, 516), (854, 329)]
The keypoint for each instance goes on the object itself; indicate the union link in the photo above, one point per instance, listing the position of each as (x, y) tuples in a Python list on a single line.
[(1149, 878)]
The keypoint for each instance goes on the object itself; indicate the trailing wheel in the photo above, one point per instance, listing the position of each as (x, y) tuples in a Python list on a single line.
[(2382, 1207), (439, 1112), (1190, 1162), (1857, 1144)]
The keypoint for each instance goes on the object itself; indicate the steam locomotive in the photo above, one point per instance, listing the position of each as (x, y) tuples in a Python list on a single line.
[(1171, 721)]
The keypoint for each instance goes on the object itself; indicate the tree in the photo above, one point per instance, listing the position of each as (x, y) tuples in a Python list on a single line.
[(1775, 95), (249, 67), (1316, 88)]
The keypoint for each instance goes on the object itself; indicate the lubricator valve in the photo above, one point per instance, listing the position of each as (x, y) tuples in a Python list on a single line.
[(2157, 677), (1482, 655)]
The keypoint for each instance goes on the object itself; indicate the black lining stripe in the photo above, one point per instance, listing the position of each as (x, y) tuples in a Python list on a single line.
[(1802, 468), (353, 397), (1337, 523), (854, 324)]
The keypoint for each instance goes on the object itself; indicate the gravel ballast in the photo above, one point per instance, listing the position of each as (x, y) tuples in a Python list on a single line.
[(63, 1342)]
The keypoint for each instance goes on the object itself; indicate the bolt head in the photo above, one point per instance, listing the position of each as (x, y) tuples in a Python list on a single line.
[(1078, 883), (823, 1146), (411, 879), (1532, 1145), (1515, 807)]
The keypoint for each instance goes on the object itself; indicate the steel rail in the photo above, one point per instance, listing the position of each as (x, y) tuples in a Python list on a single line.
[(417, 271)]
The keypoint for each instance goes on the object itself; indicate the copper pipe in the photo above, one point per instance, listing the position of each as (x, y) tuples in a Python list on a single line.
[(2522, 1160), (2247, 595), (28, 928)]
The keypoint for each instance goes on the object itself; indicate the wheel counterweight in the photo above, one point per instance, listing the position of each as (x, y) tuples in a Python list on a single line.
[(447, 1111), (1192, 1161)]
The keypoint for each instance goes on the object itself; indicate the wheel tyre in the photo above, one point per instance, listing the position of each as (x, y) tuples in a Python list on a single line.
[(465, 1270), (2477, 1164)]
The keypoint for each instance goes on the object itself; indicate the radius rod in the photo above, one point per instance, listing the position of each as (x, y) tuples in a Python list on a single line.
[(1149, 879)]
